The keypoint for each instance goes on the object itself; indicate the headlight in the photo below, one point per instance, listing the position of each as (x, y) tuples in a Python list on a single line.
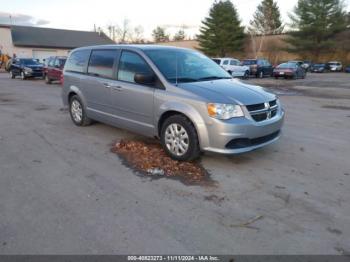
[(28, 69), (224, 111)]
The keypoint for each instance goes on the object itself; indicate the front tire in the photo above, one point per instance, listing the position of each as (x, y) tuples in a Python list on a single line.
[(77, 112), (179, 138)]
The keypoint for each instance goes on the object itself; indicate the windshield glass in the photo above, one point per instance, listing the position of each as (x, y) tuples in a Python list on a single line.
[(29, 62), (320, 65), (186, 65), (287, 65)]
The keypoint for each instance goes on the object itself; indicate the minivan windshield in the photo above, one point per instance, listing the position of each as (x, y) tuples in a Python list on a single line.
[(179, 65)]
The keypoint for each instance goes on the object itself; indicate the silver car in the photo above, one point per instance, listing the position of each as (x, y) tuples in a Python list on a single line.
[(177, 95)]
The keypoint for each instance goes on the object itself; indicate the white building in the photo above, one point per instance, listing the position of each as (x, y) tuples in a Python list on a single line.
[(40, 43)]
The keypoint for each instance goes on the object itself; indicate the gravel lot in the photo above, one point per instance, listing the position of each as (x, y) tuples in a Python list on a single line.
[(63, 192)]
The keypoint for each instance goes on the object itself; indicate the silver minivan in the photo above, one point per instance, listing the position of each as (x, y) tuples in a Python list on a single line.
[(177, 95)]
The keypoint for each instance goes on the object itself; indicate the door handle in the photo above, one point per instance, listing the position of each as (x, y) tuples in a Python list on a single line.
[(114, 87)]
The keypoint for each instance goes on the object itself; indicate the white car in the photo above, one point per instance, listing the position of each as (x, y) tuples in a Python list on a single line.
[(233, 66), (335, 66)]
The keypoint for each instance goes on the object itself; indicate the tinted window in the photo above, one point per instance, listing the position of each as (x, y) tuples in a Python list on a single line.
[(130, 64), (233, 62), (101, 63), (225, 62), (77, 61)]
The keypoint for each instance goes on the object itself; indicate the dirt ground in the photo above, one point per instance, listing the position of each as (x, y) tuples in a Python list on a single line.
[(62, 190)]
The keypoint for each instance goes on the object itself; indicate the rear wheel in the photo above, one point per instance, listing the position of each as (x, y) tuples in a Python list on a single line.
[(179, 138), (77, 112)]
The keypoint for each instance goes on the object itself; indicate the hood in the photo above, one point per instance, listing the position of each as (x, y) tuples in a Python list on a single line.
[(229, 91)]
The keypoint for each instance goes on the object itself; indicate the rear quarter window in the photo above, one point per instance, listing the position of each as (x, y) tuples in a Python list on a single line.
[(77, 61)]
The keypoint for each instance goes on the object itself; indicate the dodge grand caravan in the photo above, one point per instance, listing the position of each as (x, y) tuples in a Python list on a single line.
[(177, 95)]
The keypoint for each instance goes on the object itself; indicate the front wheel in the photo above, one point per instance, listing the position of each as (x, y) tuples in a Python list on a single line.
[(179, 138), (77, 112), (246, 75)]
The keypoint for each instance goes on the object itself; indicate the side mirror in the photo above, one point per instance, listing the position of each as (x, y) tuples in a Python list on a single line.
[(144, 79)]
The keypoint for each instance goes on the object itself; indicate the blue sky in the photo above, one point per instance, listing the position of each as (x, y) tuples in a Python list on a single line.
[(82, 15)]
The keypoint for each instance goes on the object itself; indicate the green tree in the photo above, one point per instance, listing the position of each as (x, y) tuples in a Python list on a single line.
[(267, 19), (221, 32), (159, 35), (315, 23), (180, 35)]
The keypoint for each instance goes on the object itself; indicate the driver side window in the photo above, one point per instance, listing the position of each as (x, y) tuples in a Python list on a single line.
[(131, 64)]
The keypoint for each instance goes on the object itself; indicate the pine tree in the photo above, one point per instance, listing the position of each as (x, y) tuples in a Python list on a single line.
[(267, 19), (180, 35), (315, 23), (160, 35), (221, 32)]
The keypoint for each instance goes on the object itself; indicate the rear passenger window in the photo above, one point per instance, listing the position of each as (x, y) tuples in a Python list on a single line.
[(131, 64), (233, 62), (77, 61), (101, 63), (225, 62)]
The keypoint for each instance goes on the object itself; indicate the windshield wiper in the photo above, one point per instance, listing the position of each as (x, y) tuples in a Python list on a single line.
[(182, 79), (208, 78)]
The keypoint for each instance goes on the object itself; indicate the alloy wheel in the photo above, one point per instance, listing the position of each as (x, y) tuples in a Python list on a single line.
[(76, 111), (177, 139)]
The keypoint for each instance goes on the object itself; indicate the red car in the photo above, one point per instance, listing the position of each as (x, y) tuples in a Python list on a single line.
[(289, 70), (54, 69)]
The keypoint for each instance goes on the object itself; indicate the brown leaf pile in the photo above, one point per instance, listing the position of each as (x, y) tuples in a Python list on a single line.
[(145, 156)]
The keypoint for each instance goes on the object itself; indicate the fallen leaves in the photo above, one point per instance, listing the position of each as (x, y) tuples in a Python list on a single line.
[(148, 158)]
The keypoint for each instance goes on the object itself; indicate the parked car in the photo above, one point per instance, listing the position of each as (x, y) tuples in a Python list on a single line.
[(259, 67), (233, 67), (318, 68), (25, 68), (307, 65), (289, 70), (54, 69), (178, 95), (347, 69), (334, 66)]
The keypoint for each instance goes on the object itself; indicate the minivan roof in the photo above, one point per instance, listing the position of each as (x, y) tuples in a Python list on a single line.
[(135, 47)]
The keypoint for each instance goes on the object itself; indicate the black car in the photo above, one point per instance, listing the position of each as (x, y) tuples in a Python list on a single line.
[(25, 68), (318, 68), (259, 67)]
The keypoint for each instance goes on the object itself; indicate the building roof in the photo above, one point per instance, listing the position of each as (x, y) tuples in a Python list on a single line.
[(27, 36)]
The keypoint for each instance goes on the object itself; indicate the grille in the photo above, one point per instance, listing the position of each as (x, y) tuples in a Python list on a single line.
[(261, 113), (246, 142)]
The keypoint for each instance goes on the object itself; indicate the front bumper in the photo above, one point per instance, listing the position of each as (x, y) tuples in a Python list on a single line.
[(222, 134)]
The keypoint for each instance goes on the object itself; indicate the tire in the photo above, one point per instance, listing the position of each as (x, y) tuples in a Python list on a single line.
[(76, 106), (185, 128), (12, 76), (23, 77), (47, 80)]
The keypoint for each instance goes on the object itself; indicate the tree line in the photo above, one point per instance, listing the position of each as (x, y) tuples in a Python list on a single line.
[(313, 28)]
